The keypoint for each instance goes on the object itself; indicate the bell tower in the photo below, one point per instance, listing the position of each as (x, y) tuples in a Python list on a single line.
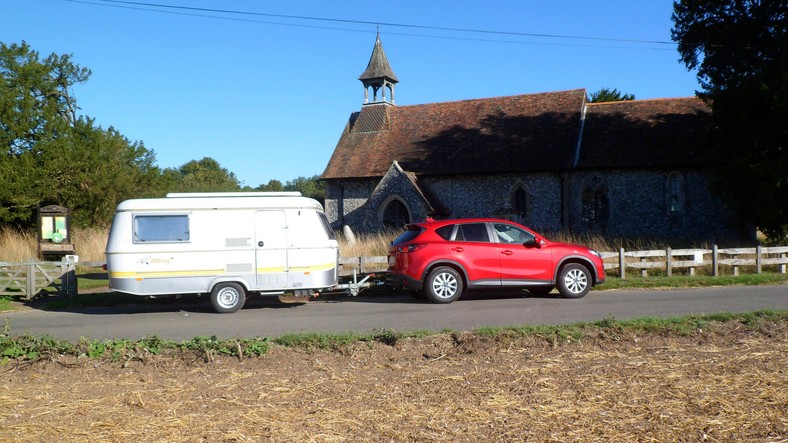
[(378, 76)]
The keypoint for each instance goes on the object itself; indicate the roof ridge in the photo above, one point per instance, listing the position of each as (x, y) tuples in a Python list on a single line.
[(644, 100), (497, 97)]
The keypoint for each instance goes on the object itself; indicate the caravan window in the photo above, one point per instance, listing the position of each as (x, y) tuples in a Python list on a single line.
[(326, 226), (161, 228)]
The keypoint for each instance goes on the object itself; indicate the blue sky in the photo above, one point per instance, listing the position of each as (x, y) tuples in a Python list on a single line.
[(268, 96)]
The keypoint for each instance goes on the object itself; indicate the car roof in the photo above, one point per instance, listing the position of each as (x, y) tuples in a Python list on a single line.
[(454, 221)]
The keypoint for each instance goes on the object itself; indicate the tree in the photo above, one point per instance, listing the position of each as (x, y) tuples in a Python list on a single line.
[(51, 155), (35, 99), (740, 51), (91, 170), (608, 95), (205, 175), (308, 186), (273, 185)]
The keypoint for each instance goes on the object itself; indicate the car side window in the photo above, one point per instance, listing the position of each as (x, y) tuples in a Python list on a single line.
[(511, 234), (445, 231), (474, 232)]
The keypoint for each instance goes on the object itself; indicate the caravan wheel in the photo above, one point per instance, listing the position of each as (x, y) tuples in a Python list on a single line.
[(228, 297)]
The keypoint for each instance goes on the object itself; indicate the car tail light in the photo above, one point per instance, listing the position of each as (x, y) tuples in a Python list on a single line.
[(410, 248)]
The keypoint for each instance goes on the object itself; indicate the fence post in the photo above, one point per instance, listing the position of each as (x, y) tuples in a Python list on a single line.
[(715, 271), (782, 266), (621, 264), (758, 259), (30, 281), (669, 261), (643, 271), (68, 280)]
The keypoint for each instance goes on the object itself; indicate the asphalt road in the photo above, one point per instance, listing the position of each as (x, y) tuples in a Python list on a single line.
[(267, 317)]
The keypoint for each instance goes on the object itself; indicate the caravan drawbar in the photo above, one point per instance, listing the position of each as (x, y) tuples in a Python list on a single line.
[(223, 244)]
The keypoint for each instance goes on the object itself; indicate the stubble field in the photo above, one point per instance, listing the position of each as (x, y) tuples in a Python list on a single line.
[(723, 382)]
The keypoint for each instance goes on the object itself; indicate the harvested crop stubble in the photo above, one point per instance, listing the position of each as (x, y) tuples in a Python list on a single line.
[(725, 383)]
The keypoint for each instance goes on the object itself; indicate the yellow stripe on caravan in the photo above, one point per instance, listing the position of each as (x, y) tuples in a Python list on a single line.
[(325, 267), (158, 274), (270, 270)]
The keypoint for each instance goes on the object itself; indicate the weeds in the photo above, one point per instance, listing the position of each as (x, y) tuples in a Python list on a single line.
[(28, 349)]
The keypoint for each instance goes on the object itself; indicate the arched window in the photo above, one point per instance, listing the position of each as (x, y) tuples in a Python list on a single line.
[(395, 214), (675, 193)]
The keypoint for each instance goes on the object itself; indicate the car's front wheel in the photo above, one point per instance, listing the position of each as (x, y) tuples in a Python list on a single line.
[(443, 285), (574, 281)]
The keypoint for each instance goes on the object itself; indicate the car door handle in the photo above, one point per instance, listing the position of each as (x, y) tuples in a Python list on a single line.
[(457, 249), (507, 252)]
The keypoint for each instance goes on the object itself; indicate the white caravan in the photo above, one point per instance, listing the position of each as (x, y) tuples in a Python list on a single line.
[(222, 244)]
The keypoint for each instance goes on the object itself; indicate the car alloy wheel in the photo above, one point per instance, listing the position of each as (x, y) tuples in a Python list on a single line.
[(574, 281), (444, 285)]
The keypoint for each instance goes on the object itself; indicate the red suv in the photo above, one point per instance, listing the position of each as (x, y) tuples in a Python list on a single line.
[(443, 258)]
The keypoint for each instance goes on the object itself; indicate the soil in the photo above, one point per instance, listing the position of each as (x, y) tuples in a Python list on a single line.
[(726, 382)]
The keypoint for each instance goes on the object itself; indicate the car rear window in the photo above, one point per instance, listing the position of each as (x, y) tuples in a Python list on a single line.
[(411, 233)]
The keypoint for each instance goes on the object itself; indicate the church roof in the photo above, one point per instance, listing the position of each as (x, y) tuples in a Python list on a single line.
[(657, 133), (520, 134), (534, 132)]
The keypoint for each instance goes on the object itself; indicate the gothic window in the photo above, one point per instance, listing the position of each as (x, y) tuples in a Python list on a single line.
[(596, 206), (675, 193), (395, 214)]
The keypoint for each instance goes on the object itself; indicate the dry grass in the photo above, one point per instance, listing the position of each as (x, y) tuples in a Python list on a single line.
[(367, 244), (722, 385), (91, 243), (16, 246)]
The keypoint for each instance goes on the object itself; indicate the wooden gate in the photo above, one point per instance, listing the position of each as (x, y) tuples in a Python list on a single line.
[(27, 280)]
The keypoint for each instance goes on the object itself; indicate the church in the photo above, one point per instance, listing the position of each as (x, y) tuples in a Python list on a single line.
[(551, 161)]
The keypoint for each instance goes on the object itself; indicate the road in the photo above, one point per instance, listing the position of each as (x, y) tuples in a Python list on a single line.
[(267, 317)]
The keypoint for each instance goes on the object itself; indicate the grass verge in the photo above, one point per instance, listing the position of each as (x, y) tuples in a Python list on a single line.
[(685, 281), (26, 349)]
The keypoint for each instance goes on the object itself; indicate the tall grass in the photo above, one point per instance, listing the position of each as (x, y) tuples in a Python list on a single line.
[(21, 246), (17, 246), (367, 244)]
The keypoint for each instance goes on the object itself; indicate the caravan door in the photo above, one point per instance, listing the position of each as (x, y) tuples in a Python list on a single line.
[(271, 249)]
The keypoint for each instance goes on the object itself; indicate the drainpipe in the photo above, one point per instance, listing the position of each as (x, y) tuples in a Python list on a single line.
[(580, 136)]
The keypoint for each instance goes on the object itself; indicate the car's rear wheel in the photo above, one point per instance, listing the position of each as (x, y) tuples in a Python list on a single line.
[(443, 285), (574, 281)]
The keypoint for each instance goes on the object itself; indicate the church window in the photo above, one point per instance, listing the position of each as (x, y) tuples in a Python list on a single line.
[(519, 201), (395, 214), (596, 205), (675, 193)]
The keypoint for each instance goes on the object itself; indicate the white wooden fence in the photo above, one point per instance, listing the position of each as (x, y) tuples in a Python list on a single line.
[(692, 259), (666, 260)]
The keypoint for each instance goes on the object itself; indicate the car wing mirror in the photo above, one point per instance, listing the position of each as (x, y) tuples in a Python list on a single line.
[(533, 242)]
